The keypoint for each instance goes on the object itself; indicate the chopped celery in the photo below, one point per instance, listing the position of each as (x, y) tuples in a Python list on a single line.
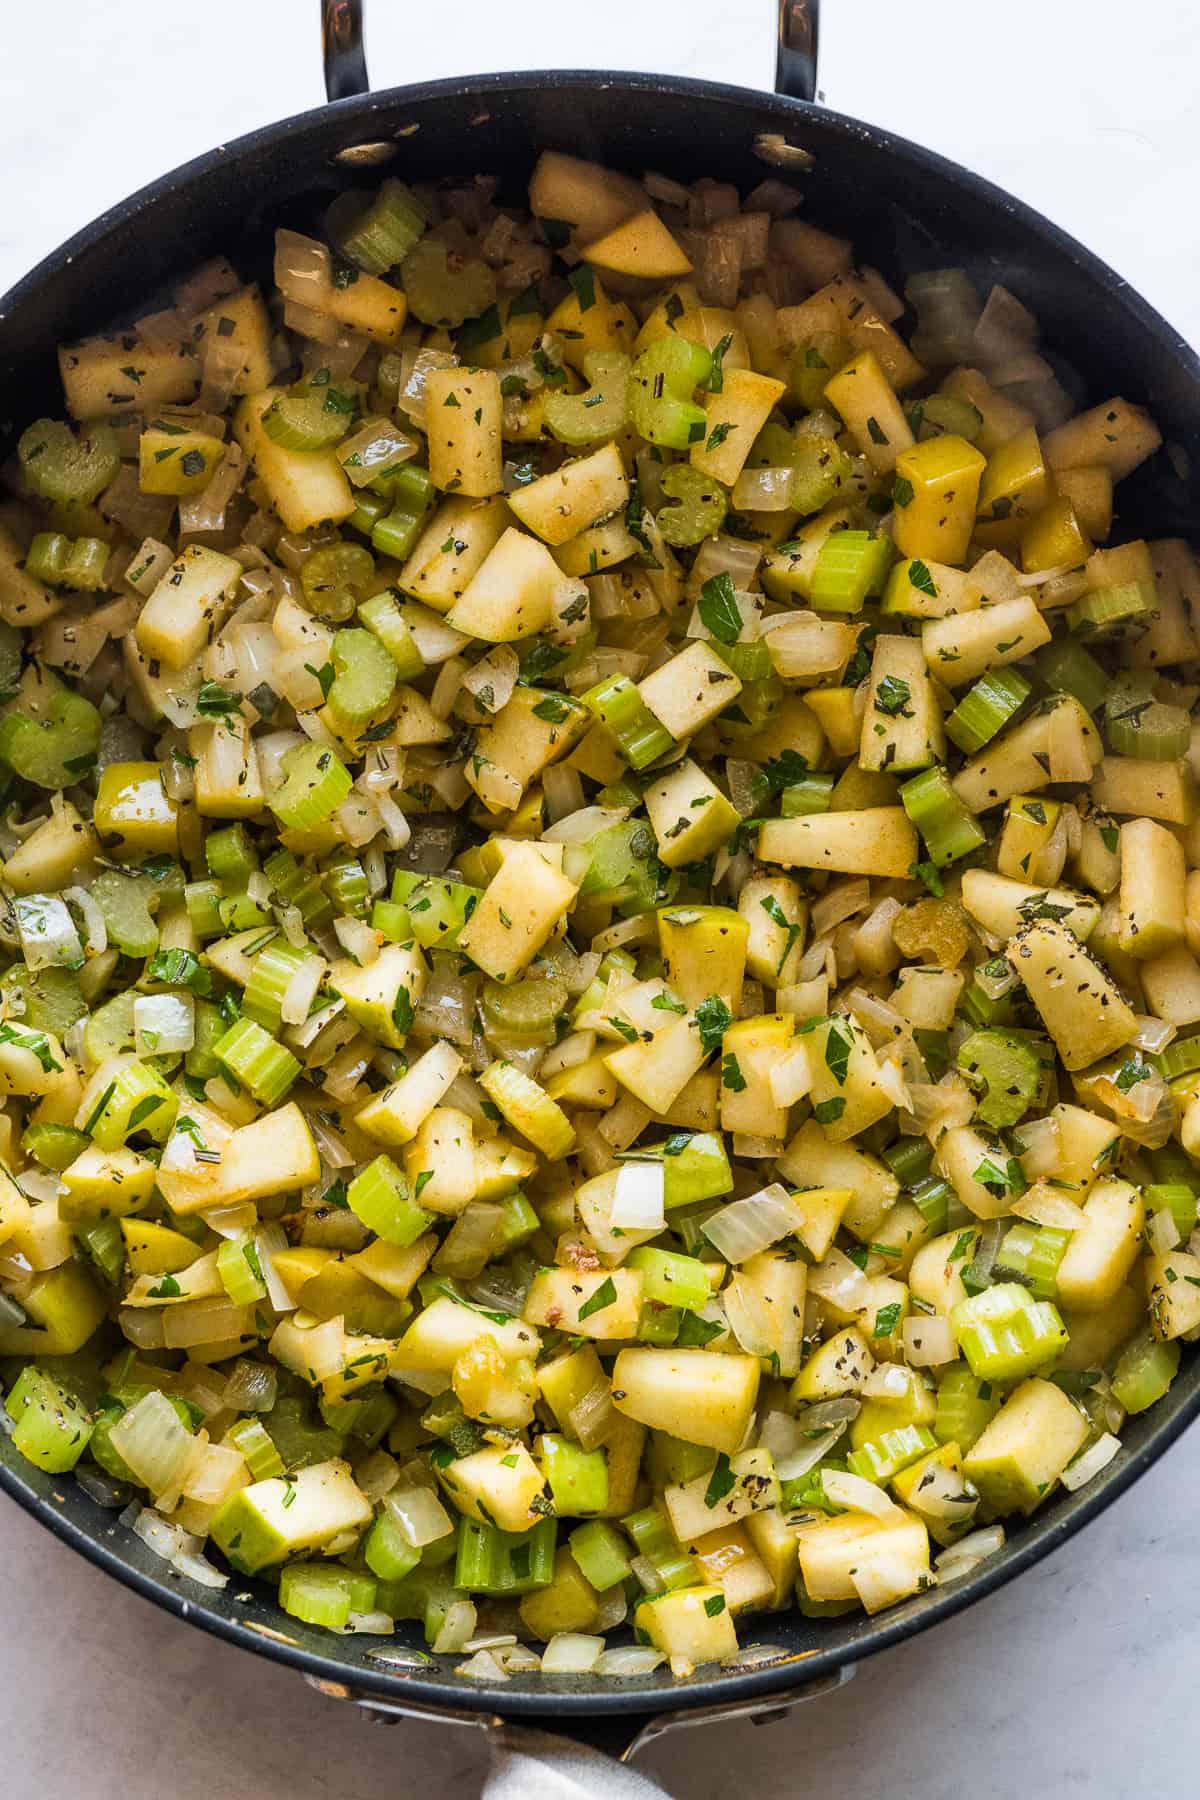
[(1009, 1070)]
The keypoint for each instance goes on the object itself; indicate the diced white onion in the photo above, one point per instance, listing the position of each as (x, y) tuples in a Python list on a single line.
[(206, 510), (231, 1221), (837, 1279), (250, 1387), (764, 490), (807, 1455), (377, 1474), (648, 1575), (571, 1653), (358, 939), (269, 1241), (638, 1200), (1086, 1467), (419, 1514), (1153, 1034), (481, 1667), (752, 1318), (493, 678), (47, 932), (369, 1624), (612, 1609), (302, 989), (213, 1473), (1162, 1231), (823, 1414), (1044, 1205), (148, 564), (153, 1441), (744, 1227), (163, 1024), (887, 1381), (93, 920), (802, 646), (928, 1340), (628, 1660), (842, 901), (591, 1418), (457, 1628), (161, 1536), (963, 1556), (582, 826), (856, 1492)]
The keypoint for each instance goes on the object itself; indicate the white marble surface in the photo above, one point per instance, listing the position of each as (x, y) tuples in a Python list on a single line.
[(1078, 1679)]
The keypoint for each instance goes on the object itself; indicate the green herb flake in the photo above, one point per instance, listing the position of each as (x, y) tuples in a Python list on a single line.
[(837, 1054), (892, 697), (718, 609), (920, 578), (713, 1019), (886, 1320), (604, 1296), (722, 1481)]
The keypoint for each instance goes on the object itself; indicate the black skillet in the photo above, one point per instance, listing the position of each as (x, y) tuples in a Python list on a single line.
[(911, 210)]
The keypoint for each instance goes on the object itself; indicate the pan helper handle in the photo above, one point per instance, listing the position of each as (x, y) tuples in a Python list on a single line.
[(796, 58), (535, 1765)]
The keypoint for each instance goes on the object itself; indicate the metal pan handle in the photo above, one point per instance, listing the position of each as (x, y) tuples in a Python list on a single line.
[(796, 56), (346, 60), (342, 48)]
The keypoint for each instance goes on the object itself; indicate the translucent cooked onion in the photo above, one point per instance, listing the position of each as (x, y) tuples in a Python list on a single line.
[(628, 1661), (591, 1419), (419, 366), (648, 1575), (206, 510), (806, 1456), (571, 1653), (968, 1552), (1152, 1035), (803, 647), (271, 1241), (730, 556), (481, 1667), (95, 930), (1162, 1232), (151, 1439), (250, 1387), (420, 1515), (582, 826), (1043, 1204), (764, 490), (457, 1628), (836, 1279), (744, 1227), (1086, 1467), (928, 1340), (859, 1494), (369, 1624), (493, 678), (301, 991), (840, 902), (751, 1316)]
